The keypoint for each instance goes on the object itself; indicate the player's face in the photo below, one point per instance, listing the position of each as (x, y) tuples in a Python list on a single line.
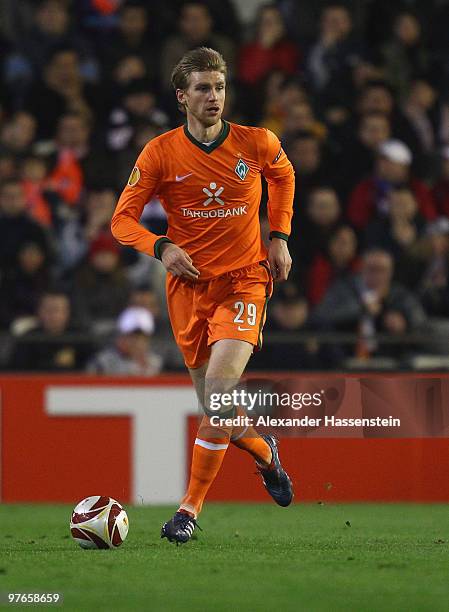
[(204, 97)]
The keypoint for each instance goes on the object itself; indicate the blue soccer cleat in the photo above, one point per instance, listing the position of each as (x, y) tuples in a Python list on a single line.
[(179, 529), (275, 478)]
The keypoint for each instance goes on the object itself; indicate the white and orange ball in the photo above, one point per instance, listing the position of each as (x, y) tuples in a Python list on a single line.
[(99, 522)]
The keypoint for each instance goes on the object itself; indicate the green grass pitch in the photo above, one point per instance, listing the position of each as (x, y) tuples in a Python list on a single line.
[(251, 558)]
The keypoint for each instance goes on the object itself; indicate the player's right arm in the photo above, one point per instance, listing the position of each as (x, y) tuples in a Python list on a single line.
[(143, 184)]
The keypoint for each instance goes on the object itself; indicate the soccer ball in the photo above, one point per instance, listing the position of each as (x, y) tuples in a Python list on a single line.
[(99, 522)]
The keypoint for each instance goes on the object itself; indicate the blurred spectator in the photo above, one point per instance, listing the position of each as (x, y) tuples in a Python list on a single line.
[(52, 29), (98, 17), (301, 17), (418, 108), (337, 263), (63, 89), (100, 289), (17, 134), (144, 296), (224, 14), (131, 39), (51, 346), (305, 151), (373, 130), (375, 97), (370, 197), (434, 260), (22, 286), (438, 44), (100, 204), (14, 19), (317, 224), (270, 50), (153, 299), (195, 29), (78, 159), (141, 270), (289, 313), (66, 178), (441, 188), (62, 169), (378, 97), (281, 94), (83, 227), (131, 354), (33, 173), (364, 71), (401, 226), (247, 11), (8, 168), (404, 55), (331, 57), (16, 227), (138, 105), (423, 114), (127, 69), (369, 303), (73, 133), (301, 117)]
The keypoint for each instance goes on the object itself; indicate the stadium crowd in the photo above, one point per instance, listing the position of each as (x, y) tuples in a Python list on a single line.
[(358, 92)]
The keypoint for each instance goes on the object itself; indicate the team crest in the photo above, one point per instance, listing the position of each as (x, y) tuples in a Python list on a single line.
[(134, 177), (241, 169)]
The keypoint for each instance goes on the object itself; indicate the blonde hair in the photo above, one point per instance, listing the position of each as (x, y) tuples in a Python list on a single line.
[(201, 59)]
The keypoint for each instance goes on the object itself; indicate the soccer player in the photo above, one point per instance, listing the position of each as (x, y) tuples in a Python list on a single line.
[(207, 175)]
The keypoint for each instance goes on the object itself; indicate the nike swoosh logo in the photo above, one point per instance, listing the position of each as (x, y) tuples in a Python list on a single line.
[(181, 178), (244, 328)]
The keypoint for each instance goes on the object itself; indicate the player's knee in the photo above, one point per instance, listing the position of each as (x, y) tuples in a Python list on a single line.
[(215, 409)]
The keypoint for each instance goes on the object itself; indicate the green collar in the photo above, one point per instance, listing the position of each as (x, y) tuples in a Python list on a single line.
[(219, 140)]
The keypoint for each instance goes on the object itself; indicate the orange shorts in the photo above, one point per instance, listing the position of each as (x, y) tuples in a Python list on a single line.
[(232, 305)]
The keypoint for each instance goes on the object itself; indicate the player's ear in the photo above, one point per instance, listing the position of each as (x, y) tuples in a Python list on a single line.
[(182, 100), (181, 96)]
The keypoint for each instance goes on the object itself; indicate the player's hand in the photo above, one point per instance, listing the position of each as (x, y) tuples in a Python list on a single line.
[(279, 259), (177, 261)]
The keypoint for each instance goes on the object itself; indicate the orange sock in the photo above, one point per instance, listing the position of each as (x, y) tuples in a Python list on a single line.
[(208, 455), (249, 440)]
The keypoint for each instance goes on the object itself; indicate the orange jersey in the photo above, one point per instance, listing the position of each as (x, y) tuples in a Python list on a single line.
[(211, 195)]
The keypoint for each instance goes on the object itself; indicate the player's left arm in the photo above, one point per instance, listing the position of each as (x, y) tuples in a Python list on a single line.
[(280, 177)]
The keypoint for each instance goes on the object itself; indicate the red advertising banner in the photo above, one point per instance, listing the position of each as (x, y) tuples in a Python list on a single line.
[(64, 438)]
